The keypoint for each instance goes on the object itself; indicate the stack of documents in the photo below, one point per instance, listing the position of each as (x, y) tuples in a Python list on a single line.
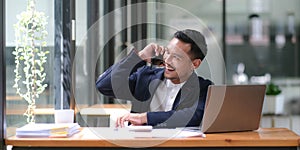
[(48, 130)]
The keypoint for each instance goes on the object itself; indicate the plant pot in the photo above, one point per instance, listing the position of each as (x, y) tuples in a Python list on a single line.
[(273, 104)]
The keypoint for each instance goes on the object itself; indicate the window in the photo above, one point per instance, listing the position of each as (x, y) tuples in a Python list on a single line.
[(15, 105), (59, 43)]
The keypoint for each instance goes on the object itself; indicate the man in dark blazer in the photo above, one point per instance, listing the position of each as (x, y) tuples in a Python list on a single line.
[(168, 96)]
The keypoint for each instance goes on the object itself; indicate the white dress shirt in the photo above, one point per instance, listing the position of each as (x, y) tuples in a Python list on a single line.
[(165, 95)]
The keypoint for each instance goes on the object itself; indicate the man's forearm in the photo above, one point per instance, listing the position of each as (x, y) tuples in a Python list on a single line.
[(114, 81)]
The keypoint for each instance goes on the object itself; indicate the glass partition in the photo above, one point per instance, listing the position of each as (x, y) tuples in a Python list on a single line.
[(263, 35), (262, 41), (262, 47), (105, 31), (204, 16)]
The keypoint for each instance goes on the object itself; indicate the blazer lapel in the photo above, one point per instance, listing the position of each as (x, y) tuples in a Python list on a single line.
[(188, 94)]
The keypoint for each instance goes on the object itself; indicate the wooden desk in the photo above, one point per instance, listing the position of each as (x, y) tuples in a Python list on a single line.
[(272, 138)]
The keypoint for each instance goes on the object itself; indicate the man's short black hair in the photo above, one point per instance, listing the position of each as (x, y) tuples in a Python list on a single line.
[(197, 41)]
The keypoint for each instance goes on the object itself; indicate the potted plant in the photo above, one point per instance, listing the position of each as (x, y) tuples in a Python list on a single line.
[(30, 56), (274, 100)]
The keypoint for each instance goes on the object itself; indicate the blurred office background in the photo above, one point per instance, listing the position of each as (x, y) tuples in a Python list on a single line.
[(256, 38)]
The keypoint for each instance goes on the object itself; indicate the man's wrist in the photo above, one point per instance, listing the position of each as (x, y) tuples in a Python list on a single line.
[(144, 118), (142, 55)]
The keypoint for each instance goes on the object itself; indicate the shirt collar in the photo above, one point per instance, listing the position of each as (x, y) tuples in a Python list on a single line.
[(170, 84)]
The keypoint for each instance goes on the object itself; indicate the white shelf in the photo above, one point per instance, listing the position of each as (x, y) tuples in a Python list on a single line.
[(290, 122)]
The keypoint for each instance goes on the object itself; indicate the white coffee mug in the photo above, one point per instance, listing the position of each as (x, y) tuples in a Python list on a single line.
[(64, 116)]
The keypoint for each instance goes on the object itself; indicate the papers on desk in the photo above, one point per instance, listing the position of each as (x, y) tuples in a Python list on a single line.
[(149, 132), (190, 132), (140, 128), (48, 130), (170, 133)]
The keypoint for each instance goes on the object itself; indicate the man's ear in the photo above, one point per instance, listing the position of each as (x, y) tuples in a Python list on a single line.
[(196, 63)]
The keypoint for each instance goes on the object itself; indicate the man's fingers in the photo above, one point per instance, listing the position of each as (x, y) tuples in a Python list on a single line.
[(156, 49), (123, 119), (159, 51), (120, 120), (162, 50), (135, 119)]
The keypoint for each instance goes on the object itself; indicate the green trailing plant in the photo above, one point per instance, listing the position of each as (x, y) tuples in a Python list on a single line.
[(272, 89), (30, 56)]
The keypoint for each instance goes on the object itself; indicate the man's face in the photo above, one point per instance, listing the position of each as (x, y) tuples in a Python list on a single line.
[(178, 64)]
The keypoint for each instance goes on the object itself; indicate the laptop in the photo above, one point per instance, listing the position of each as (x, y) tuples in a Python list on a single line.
[(233, 108)]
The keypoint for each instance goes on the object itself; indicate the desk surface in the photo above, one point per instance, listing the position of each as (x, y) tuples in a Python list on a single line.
[(267, 137)]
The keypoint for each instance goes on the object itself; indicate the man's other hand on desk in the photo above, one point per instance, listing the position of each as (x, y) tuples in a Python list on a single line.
[(133, 118)]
